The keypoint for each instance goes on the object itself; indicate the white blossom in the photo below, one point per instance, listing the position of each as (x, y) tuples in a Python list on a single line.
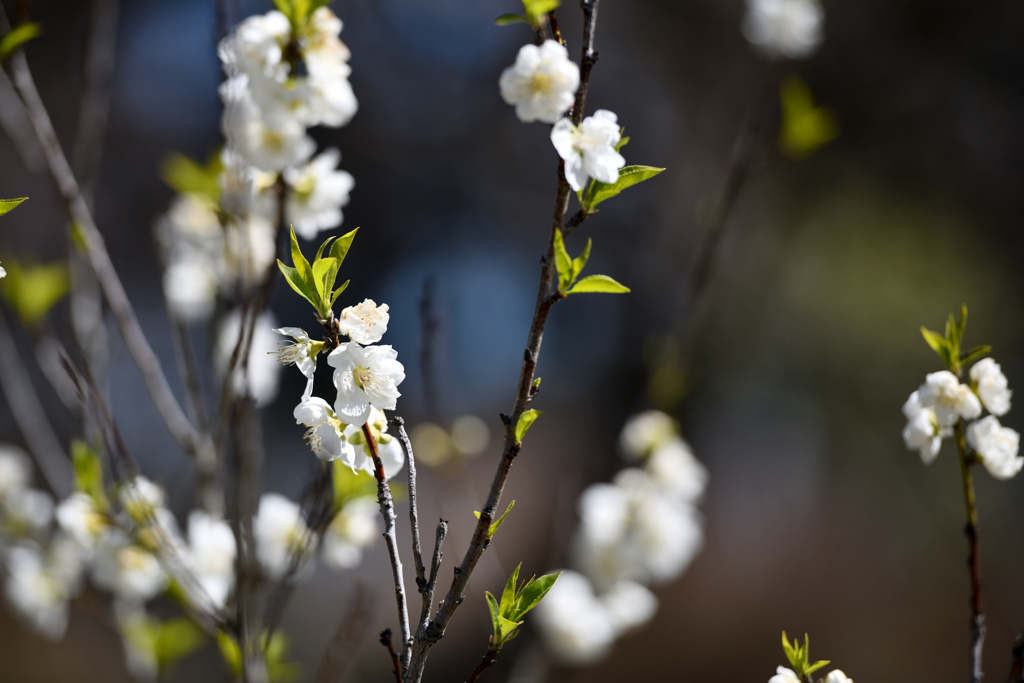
[(837, 676), (997, 445), (354, 528), (79, 518), (38, 597), (126, 569), (951, 400), (784, 675), (388, 448), (211, 555), (542, 83), (141, 499), (27, 513), (922, 432), (674, 468), (326, 58), (365, 323), (630, 605), (269, 145), (992, 386), (787, 28), (190, 285), (645, 431), (589, 150), (576, 626), (255, 48), (302, 353), (261, 380), (280, 532), (364, 377), (325, 434), (318, 191), (15, 471)]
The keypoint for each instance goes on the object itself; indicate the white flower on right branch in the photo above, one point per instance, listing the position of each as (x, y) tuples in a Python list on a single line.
[(951, 400), (589, 150), (992, 386), (364, 377), (997, 445), (837, 676), (365, 323), (542, 83), (784, 675), (786, 28)]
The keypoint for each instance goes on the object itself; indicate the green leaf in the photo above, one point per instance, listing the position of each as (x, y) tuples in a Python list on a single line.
[(349, 485), (506, 19), (623, 141), (8, 204), (189, 177), (533, 593), (278, 669), (300, 263), (934, 340), (974, 354), (600, 284), (803, 127), (231, 653), (526, 420), (338, 291), (88, 470), (508, 595), (536, 9), (791, 652), (177, 638), (508, 628), (497, 524), (341, 246), (811, 668), (298, 283), (563, 262), (284, 7), (320, 251), (17, 37), (33, 290), (492, 607), (324, 272), (580, 261), (628, 176)]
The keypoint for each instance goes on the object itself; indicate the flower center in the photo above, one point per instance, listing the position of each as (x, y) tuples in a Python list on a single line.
[(363, 377), (541, 82)]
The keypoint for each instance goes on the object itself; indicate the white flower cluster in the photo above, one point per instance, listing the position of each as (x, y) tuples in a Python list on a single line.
[(943, 400), (281, 81), (541, 85), (641, 529), (784, 28), (784, 675)]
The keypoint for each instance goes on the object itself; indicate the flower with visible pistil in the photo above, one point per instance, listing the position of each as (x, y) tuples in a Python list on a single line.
[(364, 377), (302, 353), (589, 149), (365, 323), (325, 434)]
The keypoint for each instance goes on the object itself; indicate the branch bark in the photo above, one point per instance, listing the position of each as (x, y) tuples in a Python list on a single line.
[(973, 561)]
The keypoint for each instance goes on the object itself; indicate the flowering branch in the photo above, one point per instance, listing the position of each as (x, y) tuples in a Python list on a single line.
[(971, 529)]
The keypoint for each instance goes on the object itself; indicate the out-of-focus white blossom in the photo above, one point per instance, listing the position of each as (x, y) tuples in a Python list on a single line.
[(191, 289), (630, 605), (589, 150), (470, 435), (261, 380), (211, 555), (270, 146), (922, 432), (318, 191), (40, 598), (141, 499), (365, 323), (992, 386), (577, 627), (951, 400), (784, 675), (280, 532), (352, 530), (997, 445), (676, 470), (325, 435), (388, 448), (255, 48), (78, 517), (364, 377), (326, 57), (127, 570), (786, 28), (15, 471), (26, 513), (542, 83), (645, 431), (837, 676)]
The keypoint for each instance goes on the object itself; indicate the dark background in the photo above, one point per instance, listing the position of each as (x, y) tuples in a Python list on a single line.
[(817, 519)]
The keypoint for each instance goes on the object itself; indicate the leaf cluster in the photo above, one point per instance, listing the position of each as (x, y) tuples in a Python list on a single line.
[(315, 282), (948, 345), (32, 290), (569, 270), (279, 670), (533, 14), (507, 614), (798, 656), (166, 641), (299, 11)]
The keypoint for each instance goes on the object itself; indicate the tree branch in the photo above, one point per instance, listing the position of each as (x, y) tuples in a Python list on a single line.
[(385, 640), (414, 522), (489, 658), (971, 530), (435, 564)]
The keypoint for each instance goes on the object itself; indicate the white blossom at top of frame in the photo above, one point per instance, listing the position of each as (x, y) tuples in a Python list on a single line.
[(630, 605), (951, 400), (127, 570), (280, 532), (388, 448), (190, 285), (542, 83), (589, 150), (26, 513), (645, 431), (997, 445), (325, 434), (784, 675), (302, 353), (318, 191), (261, 380), (575, 626), (326, 58), (837, 676), (365, 323), (78, 517), (256, 46), (211, 555), (37, 596), (675, 469), (787, 28), (15, 470), (992, 386), (365, 377), (269, 145), (352, 530)]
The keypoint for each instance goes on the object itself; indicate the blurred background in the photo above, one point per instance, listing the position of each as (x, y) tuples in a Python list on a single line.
[(817, 518)]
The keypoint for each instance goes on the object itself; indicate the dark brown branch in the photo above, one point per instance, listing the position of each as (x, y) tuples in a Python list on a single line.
[(588, 58), (971, 530), (385, 640), (1017, 668), (489, 658), (414, 522), (387, 511)]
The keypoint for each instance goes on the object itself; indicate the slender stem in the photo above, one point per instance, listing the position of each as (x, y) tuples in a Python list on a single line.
[(435, 564), (387, 511), (489, 658), (414, 522), (971, 530), (1017, 668), (385, 640)]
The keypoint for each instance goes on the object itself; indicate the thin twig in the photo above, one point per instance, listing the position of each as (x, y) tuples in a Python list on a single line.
[(1017, 668), (30, 416), (385, 640), (971, 530), (489, 658), (99, 52), (387, 511), (414, 522), (435, 564)]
